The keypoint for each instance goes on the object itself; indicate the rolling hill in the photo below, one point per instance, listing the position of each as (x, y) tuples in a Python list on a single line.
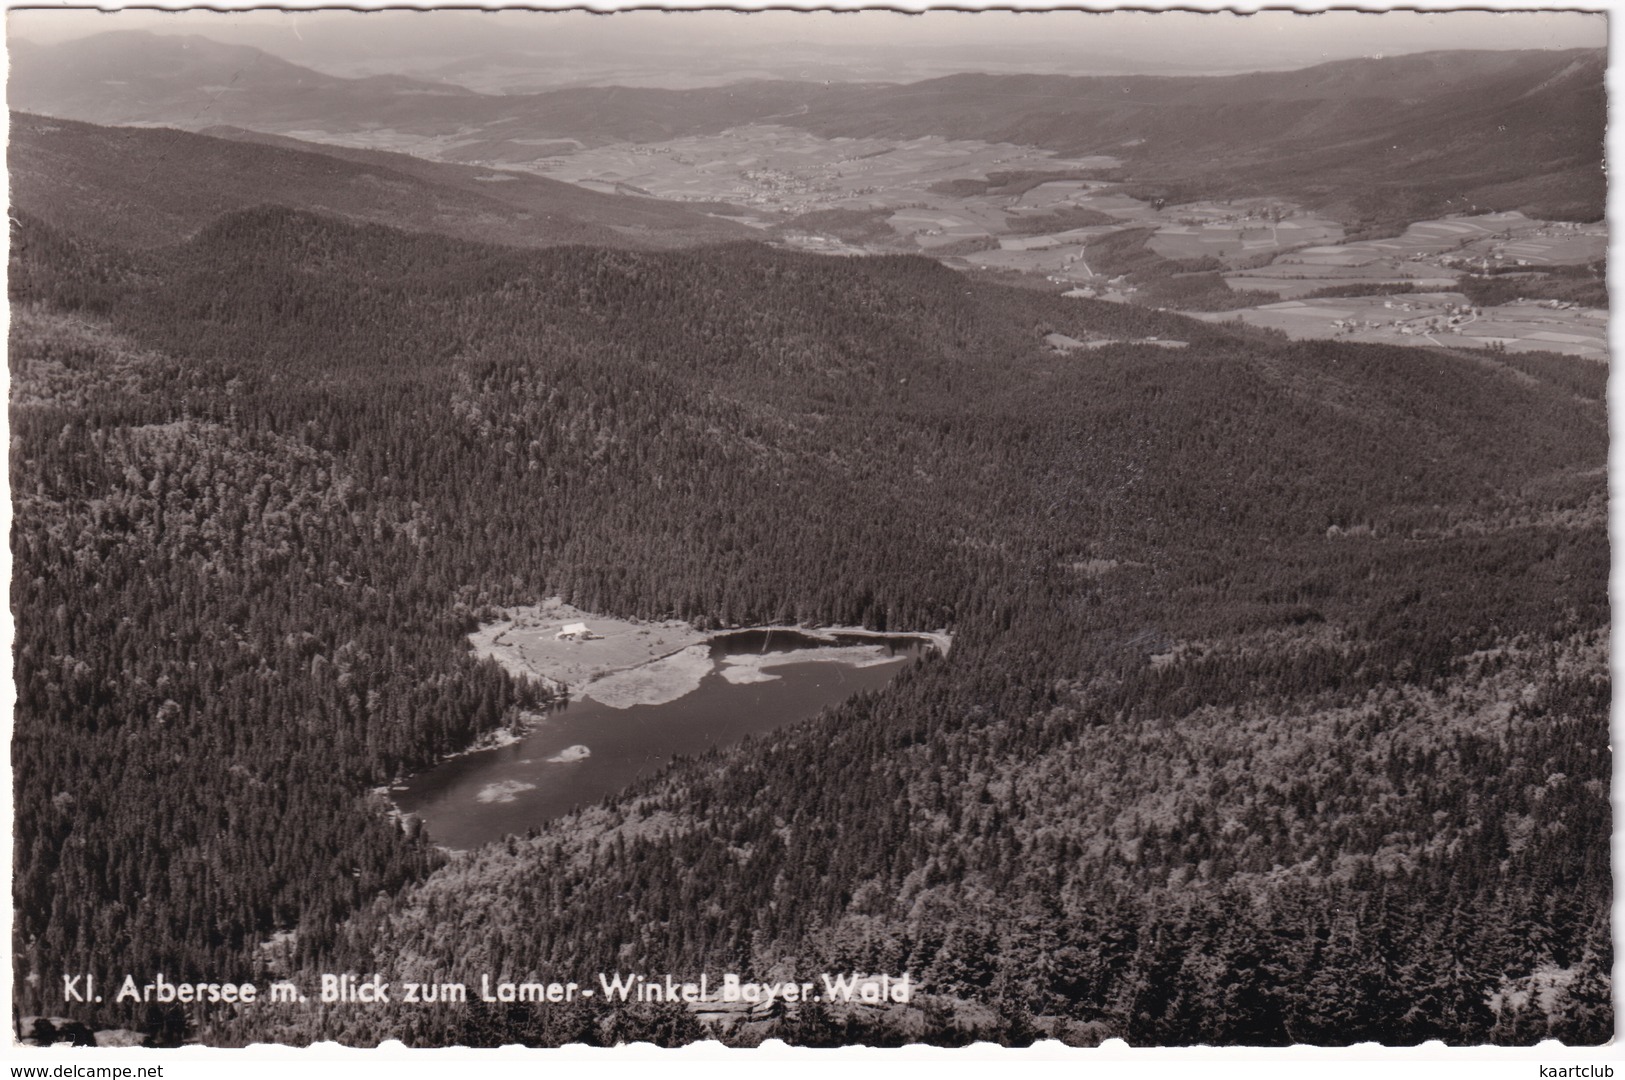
[(1399, 137), (136, 77), (1437, 131), (143, 186), (1370, 139)]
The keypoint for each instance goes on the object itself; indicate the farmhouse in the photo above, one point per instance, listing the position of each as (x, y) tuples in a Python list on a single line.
[(576, 631)]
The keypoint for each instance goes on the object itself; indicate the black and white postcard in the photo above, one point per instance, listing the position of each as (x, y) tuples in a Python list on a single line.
[(832, 529)]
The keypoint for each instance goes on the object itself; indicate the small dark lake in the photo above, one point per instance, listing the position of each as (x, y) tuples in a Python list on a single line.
[(747, 682)]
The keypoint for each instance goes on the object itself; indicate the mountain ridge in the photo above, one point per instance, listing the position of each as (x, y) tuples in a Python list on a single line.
[(150, 186), (1444, 130)]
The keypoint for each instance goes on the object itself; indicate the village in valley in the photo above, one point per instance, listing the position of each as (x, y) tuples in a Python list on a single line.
[(1031, 215), (1438, 318)]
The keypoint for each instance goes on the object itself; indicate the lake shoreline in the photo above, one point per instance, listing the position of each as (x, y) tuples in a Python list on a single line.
[(527, 644), (491, 642), (716, 689)]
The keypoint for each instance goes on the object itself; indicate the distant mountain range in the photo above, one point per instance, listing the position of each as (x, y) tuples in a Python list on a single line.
[(1442, 131), (130, 77), (142, 186), (1408, 135)]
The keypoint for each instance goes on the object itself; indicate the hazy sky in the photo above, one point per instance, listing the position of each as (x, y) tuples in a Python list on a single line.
[(1125, 40)]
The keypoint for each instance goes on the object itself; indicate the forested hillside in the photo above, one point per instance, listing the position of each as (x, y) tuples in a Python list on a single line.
[(1277, 708), (1375, 140), (145, 186)]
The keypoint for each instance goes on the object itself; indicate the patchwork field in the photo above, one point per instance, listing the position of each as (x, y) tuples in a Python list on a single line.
[(1230, 239), (1442, 318), (1416, 275), (1051, 260), (780, 168), (872, 195), (1557, 245), (1059, 193), (1429, 254), (944, 220)]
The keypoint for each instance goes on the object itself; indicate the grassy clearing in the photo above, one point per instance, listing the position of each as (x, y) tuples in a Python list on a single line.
[(526, 643)]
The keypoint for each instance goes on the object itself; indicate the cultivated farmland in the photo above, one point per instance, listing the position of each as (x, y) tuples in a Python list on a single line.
[(1437, 318)]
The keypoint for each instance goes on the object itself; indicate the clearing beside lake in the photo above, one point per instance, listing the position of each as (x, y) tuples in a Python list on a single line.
[(527, 645), (627, 662)]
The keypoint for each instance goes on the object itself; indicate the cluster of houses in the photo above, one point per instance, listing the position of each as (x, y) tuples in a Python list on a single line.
[(1448, 319), (1483, 262)]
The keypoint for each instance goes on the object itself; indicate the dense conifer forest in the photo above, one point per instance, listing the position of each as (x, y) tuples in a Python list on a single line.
[(1277, 709)]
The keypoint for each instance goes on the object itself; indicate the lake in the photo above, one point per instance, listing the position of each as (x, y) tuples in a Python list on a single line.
[(734, 685)]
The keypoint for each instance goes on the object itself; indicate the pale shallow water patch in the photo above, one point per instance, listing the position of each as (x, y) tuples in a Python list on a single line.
[(503, 791), (741, 674), (654, 683), (742, 668), (577, 752)]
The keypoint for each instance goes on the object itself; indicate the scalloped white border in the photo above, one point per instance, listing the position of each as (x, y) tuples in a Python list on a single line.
[(1114, 1060)]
